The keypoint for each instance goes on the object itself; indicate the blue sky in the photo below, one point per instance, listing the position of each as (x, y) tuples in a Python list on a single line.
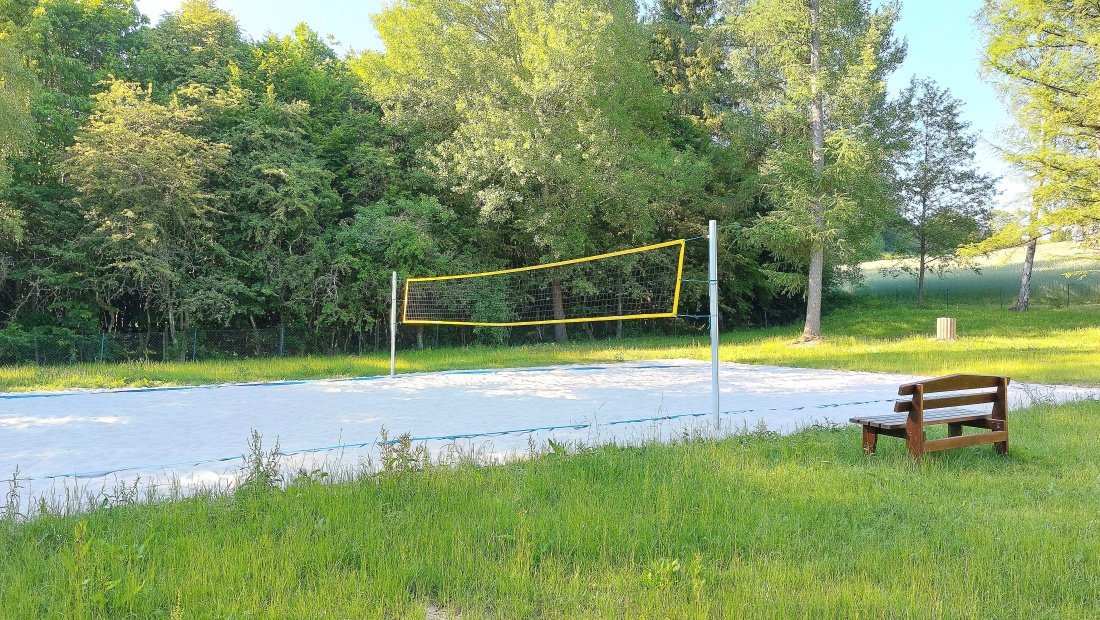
[(943, 45)]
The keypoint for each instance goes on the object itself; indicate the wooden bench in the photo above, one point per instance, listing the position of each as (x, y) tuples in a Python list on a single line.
[(955, 410)]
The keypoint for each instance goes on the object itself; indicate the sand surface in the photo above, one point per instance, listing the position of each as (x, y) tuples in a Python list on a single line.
[(94, 439)]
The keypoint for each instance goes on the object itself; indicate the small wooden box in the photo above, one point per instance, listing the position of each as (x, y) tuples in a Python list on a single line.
[(945, 328)]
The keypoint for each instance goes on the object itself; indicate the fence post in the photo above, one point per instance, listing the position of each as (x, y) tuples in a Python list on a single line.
[(360, 332), (949, 296), (102, 345), (282, 339), (1067, 294), (195, 347), (37, 356)]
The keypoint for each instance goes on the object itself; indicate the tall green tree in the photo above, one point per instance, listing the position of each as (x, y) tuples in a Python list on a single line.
[(945, 200), (1041, 54), (816, 73), (1028, 146), (280, 201), (689, 49), (70, 47), (545, 114), (198, 43), (17, 87), (141, 183)]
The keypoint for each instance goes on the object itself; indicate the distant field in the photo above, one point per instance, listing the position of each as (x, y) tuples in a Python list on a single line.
[(997, 280)]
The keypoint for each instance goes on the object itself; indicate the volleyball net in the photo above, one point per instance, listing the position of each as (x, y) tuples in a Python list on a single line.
[(639, 283)]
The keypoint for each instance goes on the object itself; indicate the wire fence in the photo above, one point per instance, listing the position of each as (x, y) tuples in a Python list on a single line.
[(62, 347), (55, 347), (52, 347)]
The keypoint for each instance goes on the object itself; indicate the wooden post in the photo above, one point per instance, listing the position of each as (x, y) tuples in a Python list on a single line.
[(1000, 414), (914, 426), (870, 440), (945, 329)]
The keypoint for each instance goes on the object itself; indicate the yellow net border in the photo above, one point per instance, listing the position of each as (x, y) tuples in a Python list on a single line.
[(670, 314)]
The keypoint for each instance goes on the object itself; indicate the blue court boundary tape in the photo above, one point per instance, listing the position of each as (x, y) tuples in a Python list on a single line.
[(456, 437), (218, 386)]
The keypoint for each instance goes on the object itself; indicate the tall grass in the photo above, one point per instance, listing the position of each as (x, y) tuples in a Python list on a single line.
[(754, 526), (1043, 345)]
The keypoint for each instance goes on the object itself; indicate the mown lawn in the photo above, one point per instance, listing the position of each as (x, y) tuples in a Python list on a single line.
[(1046, 345), (758, 526)]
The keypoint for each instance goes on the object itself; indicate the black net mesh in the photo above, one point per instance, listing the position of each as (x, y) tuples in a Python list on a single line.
[(640, 283)]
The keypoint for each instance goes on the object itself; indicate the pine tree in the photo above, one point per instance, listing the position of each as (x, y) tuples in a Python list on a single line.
[(945, 199)]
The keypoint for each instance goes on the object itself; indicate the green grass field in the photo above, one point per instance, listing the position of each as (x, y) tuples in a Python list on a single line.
[(758, 526), (1044, 345), (755, 526), (997, 280)]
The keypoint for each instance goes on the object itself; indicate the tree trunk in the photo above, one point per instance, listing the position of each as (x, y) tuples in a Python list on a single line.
[(920, 272), (812, 330), (619, 323), (560, 334), (255, 334), (420, 337), (1029, 257), (172, 322), (1025, 278)]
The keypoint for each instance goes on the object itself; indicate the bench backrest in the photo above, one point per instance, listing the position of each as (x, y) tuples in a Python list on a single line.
[(954, 383)]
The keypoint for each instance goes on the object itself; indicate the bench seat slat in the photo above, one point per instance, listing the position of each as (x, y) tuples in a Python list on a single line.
[(947, 402), (936, 416)]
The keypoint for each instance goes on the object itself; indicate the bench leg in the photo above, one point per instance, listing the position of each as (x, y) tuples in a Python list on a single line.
[(1002, 448), (870, 439), (914, 443), (954, 429)]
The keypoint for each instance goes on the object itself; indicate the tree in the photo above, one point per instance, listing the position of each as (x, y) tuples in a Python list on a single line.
[(545, 115), (280, 201), (196, 44), (943, 197), (140, 180), (816, 72), (17, 87), (1028, 146), (1042, 54), (687, 59), (69, 46), (414, 237)]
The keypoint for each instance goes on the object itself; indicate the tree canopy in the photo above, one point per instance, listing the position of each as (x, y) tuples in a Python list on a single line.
[(183, 175)]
